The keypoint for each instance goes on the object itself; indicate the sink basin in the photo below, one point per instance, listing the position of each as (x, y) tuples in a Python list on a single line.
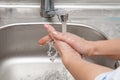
[(21, 57)]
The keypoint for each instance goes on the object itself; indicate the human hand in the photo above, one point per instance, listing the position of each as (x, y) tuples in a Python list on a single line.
[(66, 52), (79, 44), (68, 46)]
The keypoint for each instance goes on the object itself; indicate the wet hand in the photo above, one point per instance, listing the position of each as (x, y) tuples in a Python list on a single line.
[(79, 44), (66, 52)]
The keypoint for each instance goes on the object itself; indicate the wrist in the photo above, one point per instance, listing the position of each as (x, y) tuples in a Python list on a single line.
[(96, 48), (91, 48), (70, 60)]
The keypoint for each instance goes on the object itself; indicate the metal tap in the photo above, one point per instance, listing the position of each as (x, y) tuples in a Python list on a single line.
[(48, 11)]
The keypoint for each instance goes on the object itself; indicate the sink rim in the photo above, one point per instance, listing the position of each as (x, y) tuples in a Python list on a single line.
[(40, 24), (68, 23)]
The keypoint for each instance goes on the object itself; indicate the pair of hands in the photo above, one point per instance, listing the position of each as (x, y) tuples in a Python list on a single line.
[(69, 45)]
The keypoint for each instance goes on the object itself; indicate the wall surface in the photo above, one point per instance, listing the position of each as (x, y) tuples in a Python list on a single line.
[(63, 1)]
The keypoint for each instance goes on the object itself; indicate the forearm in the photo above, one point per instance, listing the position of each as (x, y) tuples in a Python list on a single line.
[(114, 57), (83, 70), (107, 48)]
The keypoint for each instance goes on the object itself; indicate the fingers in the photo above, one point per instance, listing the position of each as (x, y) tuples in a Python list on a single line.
[(50, 29), (80, 45), (49, 37), (69, 38), (62, 47), (74, 41), (44, 40), (65, 49), (66, 37), (66, 52)]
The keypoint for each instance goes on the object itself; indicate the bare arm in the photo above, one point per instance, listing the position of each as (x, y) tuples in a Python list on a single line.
[(109, 48), (83, 70), (79, 68)]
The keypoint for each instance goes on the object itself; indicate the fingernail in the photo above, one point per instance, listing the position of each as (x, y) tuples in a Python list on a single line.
[(46, 25), (55, 33), (40, 45), (40, 42)]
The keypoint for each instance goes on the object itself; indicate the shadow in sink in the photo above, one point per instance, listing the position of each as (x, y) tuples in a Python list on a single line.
[(21, 58)]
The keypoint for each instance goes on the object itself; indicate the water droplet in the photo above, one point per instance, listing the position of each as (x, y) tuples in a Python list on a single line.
[(52, 51)]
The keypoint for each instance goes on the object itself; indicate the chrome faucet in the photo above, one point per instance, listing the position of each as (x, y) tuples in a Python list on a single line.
[(48, 11)]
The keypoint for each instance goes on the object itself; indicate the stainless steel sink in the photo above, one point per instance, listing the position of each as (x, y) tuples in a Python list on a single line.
[(21, 26), (21, 57)]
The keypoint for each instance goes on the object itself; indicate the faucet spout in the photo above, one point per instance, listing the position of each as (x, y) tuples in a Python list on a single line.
[(62, 15)]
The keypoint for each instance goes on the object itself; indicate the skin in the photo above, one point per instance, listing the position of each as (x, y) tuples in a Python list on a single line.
[(79, 44), (87, 48), (80, 69), (70, 50)]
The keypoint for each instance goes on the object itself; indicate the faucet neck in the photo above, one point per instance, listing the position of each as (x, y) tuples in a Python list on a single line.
[(46, 7)]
